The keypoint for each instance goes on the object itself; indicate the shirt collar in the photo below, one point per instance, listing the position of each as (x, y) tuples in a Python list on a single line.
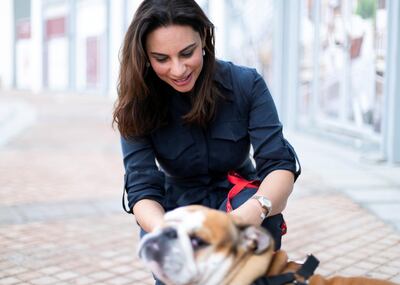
[(223, 75)]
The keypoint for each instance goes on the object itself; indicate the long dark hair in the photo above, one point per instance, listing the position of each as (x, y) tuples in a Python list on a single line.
[(140, 108)]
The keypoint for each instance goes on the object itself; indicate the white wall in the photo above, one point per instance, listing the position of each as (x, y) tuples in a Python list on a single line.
[(90, 22), (116, 37), (217, 14), (57, 48), (37, 45), (6, 46)]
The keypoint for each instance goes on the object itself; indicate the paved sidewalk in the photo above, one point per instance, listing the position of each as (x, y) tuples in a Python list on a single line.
[(61, 221)]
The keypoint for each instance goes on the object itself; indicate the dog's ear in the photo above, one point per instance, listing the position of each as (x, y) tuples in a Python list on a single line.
[(256, 239)]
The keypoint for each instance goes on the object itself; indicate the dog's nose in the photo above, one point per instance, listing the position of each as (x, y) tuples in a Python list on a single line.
[(156, 247), (169, 233)]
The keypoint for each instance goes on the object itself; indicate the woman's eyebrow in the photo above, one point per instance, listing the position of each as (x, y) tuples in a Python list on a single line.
[(183, 50)]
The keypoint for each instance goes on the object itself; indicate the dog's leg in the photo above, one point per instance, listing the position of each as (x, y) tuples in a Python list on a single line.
[(280, 264)]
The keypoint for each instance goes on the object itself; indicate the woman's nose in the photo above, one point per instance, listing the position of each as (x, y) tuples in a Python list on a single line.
[(178, 69)]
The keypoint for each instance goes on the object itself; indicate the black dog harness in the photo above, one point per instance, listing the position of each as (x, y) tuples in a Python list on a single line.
[(305, 271)]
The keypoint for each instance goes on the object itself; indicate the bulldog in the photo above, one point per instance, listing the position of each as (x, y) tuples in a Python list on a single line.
[(196, 245)]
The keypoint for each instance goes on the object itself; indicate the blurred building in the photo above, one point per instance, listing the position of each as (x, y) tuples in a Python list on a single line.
[(332, 65)]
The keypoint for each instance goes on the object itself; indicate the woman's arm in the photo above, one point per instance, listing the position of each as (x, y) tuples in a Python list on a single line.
[(277, 187), (148, 214), (144, 182), (274, 158)]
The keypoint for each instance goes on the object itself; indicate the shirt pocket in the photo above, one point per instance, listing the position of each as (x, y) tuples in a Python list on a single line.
[(175, 151), (229, 144), (173, 145), (230, 130)]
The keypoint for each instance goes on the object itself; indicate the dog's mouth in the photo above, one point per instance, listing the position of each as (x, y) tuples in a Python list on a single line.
[(166, 262), (168, 271), (169, 255)]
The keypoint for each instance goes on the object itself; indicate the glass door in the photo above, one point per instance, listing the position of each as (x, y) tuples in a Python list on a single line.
[(342, 66), (56, 54), (249, 39)]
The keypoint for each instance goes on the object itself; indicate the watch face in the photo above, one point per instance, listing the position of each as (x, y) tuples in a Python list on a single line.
[(265, 202)]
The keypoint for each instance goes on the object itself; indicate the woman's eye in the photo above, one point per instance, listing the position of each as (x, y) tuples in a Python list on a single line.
[(161, 59), (187, 53)]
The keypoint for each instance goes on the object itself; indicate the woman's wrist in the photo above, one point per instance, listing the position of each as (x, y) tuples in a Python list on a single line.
[(249, 212), (149, 214)]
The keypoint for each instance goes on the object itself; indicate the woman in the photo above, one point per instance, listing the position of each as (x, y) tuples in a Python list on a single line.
[(187, 120)]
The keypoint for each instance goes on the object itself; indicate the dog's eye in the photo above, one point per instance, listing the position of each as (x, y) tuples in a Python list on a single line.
[(197, 242)]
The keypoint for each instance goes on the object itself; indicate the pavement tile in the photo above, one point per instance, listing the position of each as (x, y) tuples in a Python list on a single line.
[(121, 269), (100, 276), (396, 278), (50, 270), (140, 275), (120, 281), (396, 262), (86, 269), (367, 265), (389, 270), (12, 270), (66, 275), (6, 264), (83, 280), (379, 275), (339, 255), (29, 275), (44, 280), (9, 281)]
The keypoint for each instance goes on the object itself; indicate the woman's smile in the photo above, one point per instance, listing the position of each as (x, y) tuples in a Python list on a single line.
[(183, 81)]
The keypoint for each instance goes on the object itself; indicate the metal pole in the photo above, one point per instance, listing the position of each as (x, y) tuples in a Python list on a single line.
[(72, 45), (391, 115)]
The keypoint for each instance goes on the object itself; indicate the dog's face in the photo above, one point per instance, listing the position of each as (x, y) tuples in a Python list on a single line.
[(196, 245)]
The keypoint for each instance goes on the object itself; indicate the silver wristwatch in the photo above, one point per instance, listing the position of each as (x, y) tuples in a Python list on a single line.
[(266, 205)]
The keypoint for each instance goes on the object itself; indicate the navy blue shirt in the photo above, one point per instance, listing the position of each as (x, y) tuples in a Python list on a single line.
[(181, 164)]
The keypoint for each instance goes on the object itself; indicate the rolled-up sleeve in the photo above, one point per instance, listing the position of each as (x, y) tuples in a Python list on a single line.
[(271, 150), (143, 179)]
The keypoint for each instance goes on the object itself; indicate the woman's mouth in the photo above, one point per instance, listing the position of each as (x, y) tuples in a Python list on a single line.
[(183, 81)]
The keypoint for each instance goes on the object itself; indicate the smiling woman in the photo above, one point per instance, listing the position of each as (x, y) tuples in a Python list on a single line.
[(180, 63), (187, 122)]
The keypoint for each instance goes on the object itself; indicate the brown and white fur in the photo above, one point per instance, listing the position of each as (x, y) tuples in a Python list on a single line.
[(200, 246)]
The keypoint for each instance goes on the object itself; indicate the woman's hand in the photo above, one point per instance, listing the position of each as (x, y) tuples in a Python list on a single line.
[(248, 213)]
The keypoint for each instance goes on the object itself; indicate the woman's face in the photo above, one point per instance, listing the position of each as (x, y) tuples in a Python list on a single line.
[(175, 54)]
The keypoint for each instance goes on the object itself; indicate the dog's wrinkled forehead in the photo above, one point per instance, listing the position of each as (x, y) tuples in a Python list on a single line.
[(187, 219)]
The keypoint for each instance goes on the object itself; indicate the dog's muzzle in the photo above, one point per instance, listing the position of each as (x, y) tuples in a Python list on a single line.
[(155, 247)]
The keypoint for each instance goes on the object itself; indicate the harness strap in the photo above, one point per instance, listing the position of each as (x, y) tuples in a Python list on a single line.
[(309, 266), (239, 184), (280, 279), (305, 271)]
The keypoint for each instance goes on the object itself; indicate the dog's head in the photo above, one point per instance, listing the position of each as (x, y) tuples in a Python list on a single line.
[(197, 245)]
